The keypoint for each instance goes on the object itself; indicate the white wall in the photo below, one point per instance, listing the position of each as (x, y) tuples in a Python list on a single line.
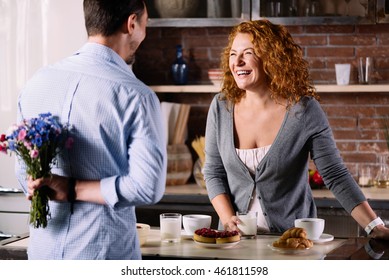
[(33, 33)]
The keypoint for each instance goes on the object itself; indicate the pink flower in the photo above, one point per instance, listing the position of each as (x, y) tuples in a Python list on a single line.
[(3, 148), (27, 144), (2, 138), (34, 153), (22, 134), (69, 143)]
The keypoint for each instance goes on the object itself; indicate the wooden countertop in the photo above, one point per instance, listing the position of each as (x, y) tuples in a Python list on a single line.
[(193, 194), (210, 88), (193, 189)]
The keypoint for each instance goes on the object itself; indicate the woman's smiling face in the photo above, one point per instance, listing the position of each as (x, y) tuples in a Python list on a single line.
[(245, 65)]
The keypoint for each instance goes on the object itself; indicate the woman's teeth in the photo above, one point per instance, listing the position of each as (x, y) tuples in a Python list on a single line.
[(243, 72)]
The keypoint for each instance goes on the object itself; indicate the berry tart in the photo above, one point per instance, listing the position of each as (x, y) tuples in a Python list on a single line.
[(207, 235)]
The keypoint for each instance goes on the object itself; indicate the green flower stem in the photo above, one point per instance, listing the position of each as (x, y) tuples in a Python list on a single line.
[(39, 208)]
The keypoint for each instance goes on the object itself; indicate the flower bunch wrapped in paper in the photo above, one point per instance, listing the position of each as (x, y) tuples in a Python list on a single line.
[(37, 142)]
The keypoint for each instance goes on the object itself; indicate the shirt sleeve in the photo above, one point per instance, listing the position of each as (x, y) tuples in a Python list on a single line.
[(145, 180), (328, 160), (214, 171)]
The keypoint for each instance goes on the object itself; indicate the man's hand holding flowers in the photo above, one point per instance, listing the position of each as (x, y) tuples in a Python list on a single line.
[(57, 187)]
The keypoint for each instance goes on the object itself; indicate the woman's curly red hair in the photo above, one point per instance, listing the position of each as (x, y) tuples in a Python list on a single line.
[(286, 69)]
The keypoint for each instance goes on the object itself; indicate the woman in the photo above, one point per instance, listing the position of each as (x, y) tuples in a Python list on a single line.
[(261, 130)]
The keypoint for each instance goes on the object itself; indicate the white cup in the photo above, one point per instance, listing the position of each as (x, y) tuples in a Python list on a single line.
[(247, 224), (193, 222), (170, 227), (313, 226), (342, 74)]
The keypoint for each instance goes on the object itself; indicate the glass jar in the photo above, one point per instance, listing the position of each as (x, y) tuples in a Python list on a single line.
[(198, 174), (382, 178)]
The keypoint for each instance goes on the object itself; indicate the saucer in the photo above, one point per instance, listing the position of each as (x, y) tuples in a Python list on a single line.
[(324, 238)]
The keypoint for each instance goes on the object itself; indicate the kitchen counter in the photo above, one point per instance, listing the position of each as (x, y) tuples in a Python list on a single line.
[(254, 249), (193, 189), (187, 249), (14, 248), (377, 196)]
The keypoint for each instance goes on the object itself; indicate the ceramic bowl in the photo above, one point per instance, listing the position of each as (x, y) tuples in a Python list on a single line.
[(195, 221), (143, 232)]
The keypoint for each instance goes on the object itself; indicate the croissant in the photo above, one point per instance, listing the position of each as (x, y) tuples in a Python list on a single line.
[(293, 238), (299, 243), (294, 232)]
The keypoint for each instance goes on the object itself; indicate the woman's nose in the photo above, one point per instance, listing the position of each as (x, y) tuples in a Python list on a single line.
[(238, 60)]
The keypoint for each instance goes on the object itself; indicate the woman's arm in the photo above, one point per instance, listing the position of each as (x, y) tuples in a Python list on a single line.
[(225, 211), (364, 214)]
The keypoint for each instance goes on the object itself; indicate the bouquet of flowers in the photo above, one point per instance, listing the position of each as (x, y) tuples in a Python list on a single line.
[(37, 141)]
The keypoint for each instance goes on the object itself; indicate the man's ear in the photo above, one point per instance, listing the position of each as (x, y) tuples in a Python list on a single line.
[(129, 25)]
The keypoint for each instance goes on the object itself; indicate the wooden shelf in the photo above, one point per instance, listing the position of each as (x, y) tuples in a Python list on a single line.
[(320, 88)]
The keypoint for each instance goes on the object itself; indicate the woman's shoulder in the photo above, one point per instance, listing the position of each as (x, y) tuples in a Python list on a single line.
[(307, 103), (219, 101)]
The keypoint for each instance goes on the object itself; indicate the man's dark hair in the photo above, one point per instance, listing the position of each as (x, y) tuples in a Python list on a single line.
[(105, 17)]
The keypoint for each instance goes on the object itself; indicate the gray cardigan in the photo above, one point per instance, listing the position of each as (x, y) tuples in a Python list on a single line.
[(281, 178)]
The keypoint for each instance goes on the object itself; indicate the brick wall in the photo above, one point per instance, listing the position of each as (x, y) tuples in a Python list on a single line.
[(354, 117), (323, 46)]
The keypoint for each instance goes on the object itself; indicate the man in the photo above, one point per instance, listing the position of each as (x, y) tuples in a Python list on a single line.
[(118, 159)]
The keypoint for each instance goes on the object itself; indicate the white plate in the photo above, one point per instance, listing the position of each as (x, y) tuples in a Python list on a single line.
[(217, 246), (288, 251), (324, 238)]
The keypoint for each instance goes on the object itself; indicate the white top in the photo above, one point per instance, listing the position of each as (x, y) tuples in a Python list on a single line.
[(251, 158)]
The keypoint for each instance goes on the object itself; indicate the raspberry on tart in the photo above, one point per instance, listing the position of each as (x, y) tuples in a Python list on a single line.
[(207, 235)]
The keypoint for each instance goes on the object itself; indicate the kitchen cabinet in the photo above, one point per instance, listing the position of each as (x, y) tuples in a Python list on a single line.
[(14, 212), (202, 20), (323, 13), (259, 9)]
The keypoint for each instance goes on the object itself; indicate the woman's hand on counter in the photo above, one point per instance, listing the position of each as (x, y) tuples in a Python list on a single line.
[(231, 224), (380, 232)]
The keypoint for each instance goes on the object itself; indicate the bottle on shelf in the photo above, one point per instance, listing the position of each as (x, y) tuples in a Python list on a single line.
[(179, 68), (293, 9), (382, 178), (312, 8)]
